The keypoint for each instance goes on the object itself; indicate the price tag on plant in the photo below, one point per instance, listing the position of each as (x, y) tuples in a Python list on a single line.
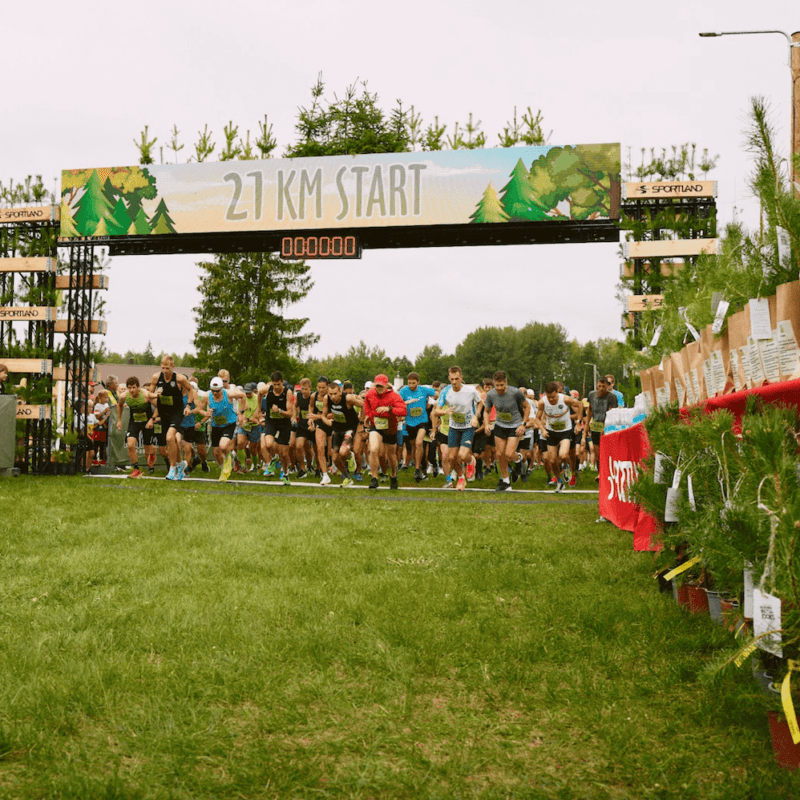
[(690, 490), (767, 620), (659, 468), (719, 317), (671, 509)]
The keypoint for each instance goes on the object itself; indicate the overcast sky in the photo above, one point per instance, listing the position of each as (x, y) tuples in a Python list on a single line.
[(82, 79)]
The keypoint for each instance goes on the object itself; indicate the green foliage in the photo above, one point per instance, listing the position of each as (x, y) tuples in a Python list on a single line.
[(30, 190), (239, 320), (358, 364)]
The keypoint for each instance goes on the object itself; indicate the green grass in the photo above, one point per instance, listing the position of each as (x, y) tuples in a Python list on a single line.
[(202, 640)]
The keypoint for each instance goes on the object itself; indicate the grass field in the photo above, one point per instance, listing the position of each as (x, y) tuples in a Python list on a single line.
[(198, 639)]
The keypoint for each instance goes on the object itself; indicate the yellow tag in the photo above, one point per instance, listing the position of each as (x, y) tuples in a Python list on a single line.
[(415, 412), (304, 414), (558, 426), (339, 416), (220, 420), (381, 423), (504, 416), (597, 427), (165, 400), (273, 414), (745, 653), (459, 418), (140, 416), (788, 706), (682, 568)]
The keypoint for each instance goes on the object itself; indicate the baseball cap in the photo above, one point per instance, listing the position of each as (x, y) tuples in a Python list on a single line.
[(368, 385), (250, 387), (216, 383), (338, 383), (381, 380)]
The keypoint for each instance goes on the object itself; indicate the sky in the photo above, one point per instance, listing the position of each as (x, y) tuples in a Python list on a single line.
[(83, 80)]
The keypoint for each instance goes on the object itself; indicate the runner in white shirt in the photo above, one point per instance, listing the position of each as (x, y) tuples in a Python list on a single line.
[(555, 410)]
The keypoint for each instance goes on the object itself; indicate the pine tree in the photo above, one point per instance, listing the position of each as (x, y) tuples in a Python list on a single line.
[(239, 320), (489, 209), (119, 221), (140, 226), (161, 222), (517, 194), (68, 229), (92, 207)]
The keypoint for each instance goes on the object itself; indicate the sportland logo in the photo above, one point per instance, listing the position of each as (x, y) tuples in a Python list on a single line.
[(621, 474)]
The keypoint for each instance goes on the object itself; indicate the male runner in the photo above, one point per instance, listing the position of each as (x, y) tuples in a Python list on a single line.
[(341, 413), (383, 407), (510, 424), (170, 387), (224, 416), (140, 422), (276, 403), (303, 436), (600, 401), (555, 410), (461, 404), (320, 426)]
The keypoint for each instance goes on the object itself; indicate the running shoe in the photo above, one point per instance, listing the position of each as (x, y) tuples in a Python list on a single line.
[(347, 482), (515, 470), (559, 486), (171, 474), (572, 481), (351, 464), (268, 473), (566, 473), (196, 461), (301, 474), (448, 484), (151, 470), (204, 466), (429, 471), (471, 470), (326, 479), (151, 461), (503, 487), (462, 484), (285, 480), (358, 476), (373, 484), (418, 475), (393, 483), (136, 473), (436, 472), (553, 481), (180, 471)]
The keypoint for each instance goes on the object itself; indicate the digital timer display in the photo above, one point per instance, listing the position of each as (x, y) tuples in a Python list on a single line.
[(320, 247)]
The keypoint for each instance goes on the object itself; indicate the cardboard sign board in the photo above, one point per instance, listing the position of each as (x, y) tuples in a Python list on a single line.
[(669, 248), (31, 214), (71, 326), (643, 302), (66, 282), (33, 366), (33, 412), (27, 313), (27, 264)]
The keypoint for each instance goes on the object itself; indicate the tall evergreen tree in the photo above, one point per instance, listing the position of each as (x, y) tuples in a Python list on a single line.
[(239, 320)]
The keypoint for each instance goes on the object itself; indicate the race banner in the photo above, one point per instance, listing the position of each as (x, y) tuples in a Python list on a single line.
[(621, 453), (570, 183)]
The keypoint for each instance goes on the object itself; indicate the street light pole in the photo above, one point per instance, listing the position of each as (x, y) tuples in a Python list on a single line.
[(794, 71)]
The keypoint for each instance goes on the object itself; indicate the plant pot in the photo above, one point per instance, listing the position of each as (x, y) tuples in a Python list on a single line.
[(681, 594), (714, 607), (787, 753), (764, 680), (698, 600)]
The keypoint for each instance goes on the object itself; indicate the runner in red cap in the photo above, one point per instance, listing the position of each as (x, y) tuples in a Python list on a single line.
[(382, 408)]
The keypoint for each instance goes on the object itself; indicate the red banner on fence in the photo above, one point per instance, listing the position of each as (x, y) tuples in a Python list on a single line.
[(622, 452)]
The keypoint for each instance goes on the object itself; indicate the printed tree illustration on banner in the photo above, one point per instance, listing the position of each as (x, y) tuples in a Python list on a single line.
[(92, 207), (104, 191), (578, 182), (490, 208), (161, 222), (140, 226), (68, 229)]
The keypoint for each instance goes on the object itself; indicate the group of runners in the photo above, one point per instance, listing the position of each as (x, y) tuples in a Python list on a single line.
[(287, 430)]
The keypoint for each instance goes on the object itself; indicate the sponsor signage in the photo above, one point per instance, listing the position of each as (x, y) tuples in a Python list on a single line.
[(642, 302), (343, 195), (31, 214), (669, 189)]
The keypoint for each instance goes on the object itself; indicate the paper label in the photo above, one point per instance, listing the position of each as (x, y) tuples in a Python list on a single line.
[(676, 479), (695, 385), (681, 392), (718, 371), (760, 326), (708, 377), (719, 317), (737, 383), (744, 353), (787, 348), (691, 398), (671, 509), (767, 620), (748, 593), (662, 396), (770, 358), (690, 492), (756, 368), (656, 335)]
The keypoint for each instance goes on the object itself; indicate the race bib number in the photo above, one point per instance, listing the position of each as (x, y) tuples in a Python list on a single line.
[(157, 427), (504, 416), (415, 412), (304, 414), (165, 400), (381, 423), (338, 416), (220, 420), (140, 416), (558, 426), (597, 427), (275, 414), (458, 418), (320, 405)]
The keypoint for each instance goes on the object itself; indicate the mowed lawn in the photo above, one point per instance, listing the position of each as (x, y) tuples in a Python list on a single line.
[(201, 640)]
